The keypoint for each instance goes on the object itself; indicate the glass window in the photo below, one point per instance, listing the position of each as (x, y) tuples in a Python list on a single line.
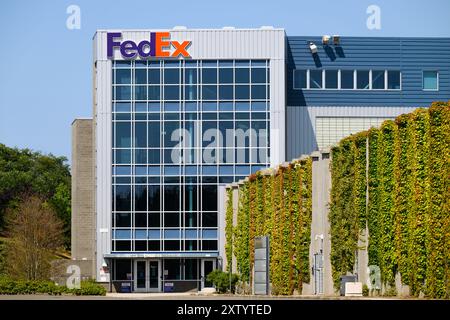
[(259, 75), (171, 76), (172, 245), (209, 198), (154, 245), (171, 92), (122, 93), (123, 245), (171, 267), (258, 92), (226, 92), (190, 198), (299, 79), (123, 156), (209, 75), (226, 75), (430, 80), (171, 198), (154, 132), (242, 75), (123, 134), (362, 79), (209, 245), (154, 93), (171, 233), (190, 92), (209, 233), (393, 80), (190, 269), (190, 76), (140, 198), (242, 92), (123, 198), (140, 134), (154, 220), (154, 198), (153, 76), (209, 92), (190, 219), (123, 219), (331, 79), (154, 234), (140, 220), (140, 234), (347, 79), (140, 156), (377, 79), (209, 219), (140, 76), (123, 76), (315, 79)]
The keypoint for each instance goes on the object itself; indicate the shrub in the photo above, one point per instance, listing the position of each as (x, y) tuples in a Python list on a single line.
[(10, 287), (222, 280), (365, 290)]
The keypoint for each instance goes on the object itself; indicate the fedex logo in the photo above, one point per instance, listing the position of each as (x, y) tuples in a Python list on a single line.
[(159, 45)]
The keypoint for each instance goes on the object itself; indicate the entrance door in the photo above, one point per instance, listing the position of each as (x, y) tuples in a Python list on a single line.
[(147, 276), (207, 267), (140, 271)]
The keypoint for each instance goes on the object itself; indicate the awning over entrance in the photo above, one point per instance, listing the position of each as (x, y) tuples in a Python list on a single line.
[(163, 255)]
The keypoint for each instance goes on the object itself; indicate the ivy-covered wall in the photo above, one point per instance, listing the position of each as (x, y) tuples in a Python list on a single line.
[(276, 203), (405, 167)]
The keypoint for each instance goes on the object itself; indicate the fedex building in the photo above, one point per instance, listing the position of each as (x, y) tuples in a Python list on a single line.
[(179, 113)]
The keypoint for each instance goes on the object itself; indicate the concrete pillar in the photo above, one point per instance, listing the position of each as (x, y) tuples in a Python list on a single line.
[(83, 215)]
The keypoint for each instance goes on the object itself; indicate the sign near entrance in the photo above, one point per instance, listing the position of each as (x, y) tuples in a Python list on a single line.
[(158, 45)]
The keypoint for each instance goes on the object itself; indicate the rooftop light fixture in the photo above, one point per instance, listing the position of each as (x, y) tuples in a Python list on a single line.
[(313, 48)]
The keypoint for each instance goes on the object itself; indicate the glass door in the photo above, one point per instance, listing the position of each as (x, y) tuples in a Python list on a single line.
[(140, 271), (207, 267), (154, 276)]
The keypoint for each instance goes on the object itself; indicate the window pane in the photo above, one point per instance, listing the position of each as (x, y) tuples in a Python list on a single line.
[(171, 76), (190, 76), (153, 76), (123, 134), (242, 75), (393, 79), (140, 198), (154, 134), (123, 76), (123, 93), (171, 92), (259, 75), (140, 220), (123, 220), (209, 198), (153, 198), (123, 156), (226, 92), (140, 93), (154, 220), (140, 76), (209, 75), (209, 219), (190, 92), (154, 93), (377, 79), (209, 92), (347, 79), (171, 198), (331, 79), (190, 198), (362, 79), (259, 92), (123, 198), (242, 92), (315, 79), (226, 75), (299, 79), (140, 135), (430, 81)]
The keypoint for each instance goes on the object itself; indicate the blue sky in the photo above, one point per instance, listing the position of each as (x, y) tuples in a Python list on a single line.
[(45, 68)]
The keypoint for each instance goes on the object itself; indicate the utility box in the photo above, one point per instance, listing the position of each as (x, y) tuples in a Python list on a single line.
[(353, 289), (261, 267), (344, 280)]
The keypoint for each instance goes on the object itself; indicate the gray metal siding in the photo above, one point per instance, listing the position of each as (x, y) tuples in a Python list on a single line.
[(409, 55), (301, 122)]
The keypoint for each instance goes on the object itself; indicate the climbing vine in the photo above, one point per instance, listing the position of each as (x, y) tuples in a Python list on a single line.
[(229, 229), (406, 206), (276, 203)]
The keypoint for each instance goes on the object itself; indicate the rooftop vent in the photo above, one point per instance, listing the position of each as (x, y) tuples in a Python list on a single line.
[(267, 27), (179, 28)]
